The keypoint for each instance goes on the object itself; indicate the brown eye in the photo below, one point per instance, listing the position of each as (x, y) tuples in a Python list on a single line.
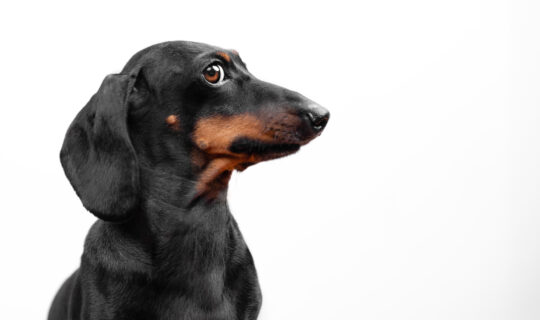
[(214, 73)]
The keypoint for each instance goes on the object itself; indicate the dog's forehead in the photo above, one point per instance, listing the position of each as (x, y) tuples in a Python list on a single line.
[(185, 48), (179, 53), (191, 51), (185, 51), (165, 51)]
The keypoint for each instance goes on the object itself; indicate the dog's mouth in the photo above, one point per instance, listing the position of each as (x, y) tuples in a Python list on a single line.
[(262, 149), (242, 153), (254, 151)]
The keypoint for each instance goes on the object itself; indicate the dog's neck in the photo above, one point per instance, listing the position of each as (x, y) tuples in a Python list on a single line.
[(181, 187), (174, 217), (171, 228)]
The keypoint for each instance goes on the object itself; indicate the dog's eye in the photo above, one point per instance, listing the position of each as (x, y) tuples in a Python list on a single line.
[(214, 73)]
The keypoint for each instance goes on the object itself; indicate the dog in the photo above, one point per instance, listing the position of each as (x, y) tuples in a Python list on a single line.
[(151, 155)]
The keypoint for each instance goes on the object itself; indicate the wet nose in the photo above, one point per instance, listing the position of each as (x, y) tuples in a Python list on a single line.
[(318, 116)]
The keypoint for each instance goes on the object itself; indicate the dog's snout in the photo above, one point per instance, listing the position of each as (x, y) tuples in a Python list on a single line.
[(318, 116)]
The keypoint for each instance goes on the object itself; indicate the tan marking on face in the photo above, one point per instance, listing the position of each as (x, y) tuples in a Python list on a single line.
[(214, 135), (235, 52), (224, 56), (173, 122)]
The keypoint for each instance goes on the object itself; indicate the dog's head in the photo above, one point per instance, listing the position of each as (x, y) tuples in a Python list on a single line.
[(189, 107)]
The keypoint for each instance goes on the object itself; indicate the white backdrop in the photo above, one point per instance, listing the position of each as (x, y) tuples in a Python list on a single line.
[(421, 199)]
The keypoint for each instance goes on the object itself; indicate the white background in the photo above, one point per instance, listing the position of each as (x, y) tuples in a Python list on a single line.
[(421, 199)]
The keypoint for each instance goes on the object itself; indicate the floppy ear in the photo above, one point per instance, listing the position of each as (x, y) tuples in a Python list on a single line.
[(97, 155)]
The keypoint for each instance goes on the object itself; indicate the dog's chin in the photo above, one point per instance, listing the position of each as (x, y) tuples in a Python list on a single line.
[(256, 151)]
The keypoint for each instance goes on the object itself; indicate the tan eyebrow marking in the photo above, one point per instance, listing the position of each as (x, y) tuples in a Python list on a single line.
[(173, 122), (224, 56)]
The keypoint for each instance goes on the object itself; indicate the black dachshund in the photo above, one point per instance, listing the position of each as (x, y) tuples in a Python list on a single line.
[(151, 155)]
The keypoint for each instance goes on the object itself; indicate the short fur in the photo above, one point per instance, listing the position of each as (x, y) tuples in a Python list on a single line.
[(166, 245)]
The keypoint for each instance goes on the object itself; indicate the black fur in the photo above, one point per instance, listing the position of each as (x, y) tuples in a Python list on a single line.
[(246, 145), (156, 253)]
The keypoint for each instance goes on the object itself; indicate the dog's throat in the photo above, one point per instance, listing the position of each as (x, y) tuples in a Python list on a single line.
[(216, 174), (216, 170)]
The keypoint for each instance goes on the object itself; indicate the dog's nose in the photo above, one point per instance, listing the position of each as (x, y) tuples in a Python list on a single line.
[(318, 116)]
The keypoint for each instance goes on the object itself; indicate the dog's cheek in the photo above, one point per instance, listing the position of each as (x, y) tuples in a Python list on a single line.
[(214, 135)]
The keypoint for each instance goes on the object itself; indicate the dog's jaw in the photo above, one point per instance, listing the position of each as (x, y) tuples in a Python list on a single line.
[(228, 143), (215, 176)]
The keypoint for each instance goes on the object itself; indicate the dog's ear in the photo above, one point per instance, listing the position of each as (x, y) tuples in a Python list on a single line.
[(97, 155)]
